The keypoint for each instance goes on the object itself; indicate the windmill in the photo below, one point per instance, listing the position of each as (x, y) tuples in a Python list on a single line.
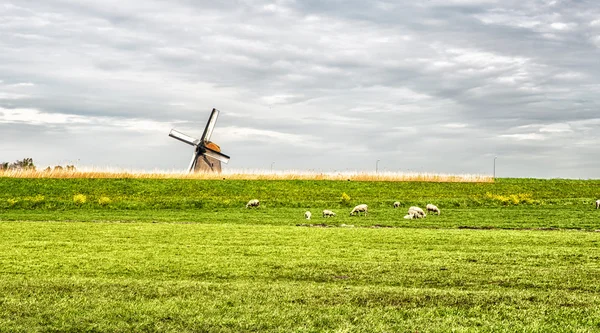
[(207, 155)]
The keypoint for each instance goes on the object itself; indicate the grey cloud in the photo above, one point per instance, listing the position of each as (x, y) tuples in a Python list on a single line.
[(320, 85)]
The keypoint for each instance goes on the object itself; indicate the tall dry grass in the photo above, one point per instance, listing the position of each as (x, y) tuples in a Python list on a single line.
[(250, 175)]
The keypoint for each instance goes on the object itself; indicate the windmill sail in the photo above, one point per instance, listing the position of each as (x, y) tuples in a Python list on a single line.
[(216, 155), (193, 162), (184, 138), (210, 126)]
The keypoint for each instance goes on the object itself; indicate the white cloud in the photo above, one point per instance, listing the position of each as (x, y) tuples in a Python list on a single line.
[(8, 96), (483, 59), (562, 26), (524, 136), (69, 121), (455, 125), (279, 99), (235, 134), (556, 128), (403, 131), (35, 117), (510, 19), (570, 75)]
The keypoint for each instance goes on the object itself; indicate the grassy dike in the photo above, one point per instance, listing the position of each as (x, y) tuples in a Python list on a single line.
[(515, 255), (508, 203)]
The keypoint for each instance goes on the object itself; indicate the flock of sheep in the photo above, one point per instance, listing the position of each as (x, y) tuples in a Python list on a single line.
[(327, 213), (414, 212)]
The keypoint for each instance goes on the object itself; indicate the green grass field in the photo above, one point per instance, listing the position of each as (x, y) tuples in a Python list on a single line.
[(185, 255)]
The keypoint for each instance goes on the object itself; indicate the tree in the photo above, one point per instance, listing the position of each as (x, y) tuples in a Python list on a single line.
[(24, 164)]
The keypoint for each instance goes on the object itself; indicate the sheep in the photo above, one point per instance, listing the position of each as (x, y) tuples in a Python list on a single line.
[(414, 210), (597, 204), (307, 215), (413, 215), (433, 208), (396, 204), (328, 213), (253, 203), (360, 208)]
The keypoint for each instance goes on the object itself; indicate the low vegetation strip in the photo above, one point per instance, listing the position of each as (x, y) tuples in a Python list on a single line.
[(234, 278), (246, 175)]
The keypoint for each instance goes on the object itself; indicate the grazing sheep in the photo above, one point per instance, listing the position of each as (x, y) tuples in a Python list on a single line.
[(597, 204), (307, 215), (433, 208), (396, 204), (413, 215), (328, 213), (253, 203), (360, 208), (414, 210)]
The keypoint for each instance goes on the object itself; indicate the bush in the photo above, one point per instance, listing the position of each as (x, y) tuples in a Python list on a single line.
[(104, 201), (511, 199), (79, 199), (36, 201), (345, 199)]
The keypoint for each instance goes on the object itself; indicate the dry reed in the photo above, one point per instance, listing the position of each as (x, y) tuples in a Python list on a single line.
[(250, 175)]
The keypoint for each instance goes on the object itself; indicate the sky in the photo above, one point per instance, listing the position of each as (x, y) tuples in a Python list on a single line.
[(437, 86)]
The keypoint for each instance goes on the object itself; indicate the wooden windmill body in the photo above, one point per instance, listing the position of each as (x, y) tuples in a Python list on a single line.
[(208, 164)]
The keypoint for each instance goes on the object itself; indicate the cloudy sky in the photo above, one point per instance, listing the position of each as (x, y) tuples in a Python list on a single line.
[(429, 86)]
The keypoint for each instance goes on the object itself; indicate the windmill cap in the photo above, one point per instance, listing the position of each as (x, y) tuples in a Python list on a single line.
[(213, 146)]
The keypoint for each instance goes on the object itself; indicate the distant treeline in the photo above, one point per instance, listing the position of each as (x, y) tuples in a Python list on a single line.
[(27, 164), (24, 164)]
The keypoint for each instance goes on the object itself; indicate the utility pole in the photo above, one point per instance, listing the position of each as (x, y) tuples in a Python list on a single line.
[(272, 166), (377, 166)]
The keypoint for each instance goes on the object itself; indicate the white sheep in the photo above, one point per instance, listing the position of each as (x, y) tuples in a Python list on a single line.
[(328, 213), (360, 208), (396, 204), (413, 215), (253, 203), (433, 208), (307, 215), (597, 204), (414, 210)]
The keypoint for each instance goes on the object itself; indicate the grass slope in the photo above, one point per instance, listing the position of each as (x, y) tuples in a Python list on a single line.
[(508, 203), (233, 278), (183, 193), (211, 265)]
